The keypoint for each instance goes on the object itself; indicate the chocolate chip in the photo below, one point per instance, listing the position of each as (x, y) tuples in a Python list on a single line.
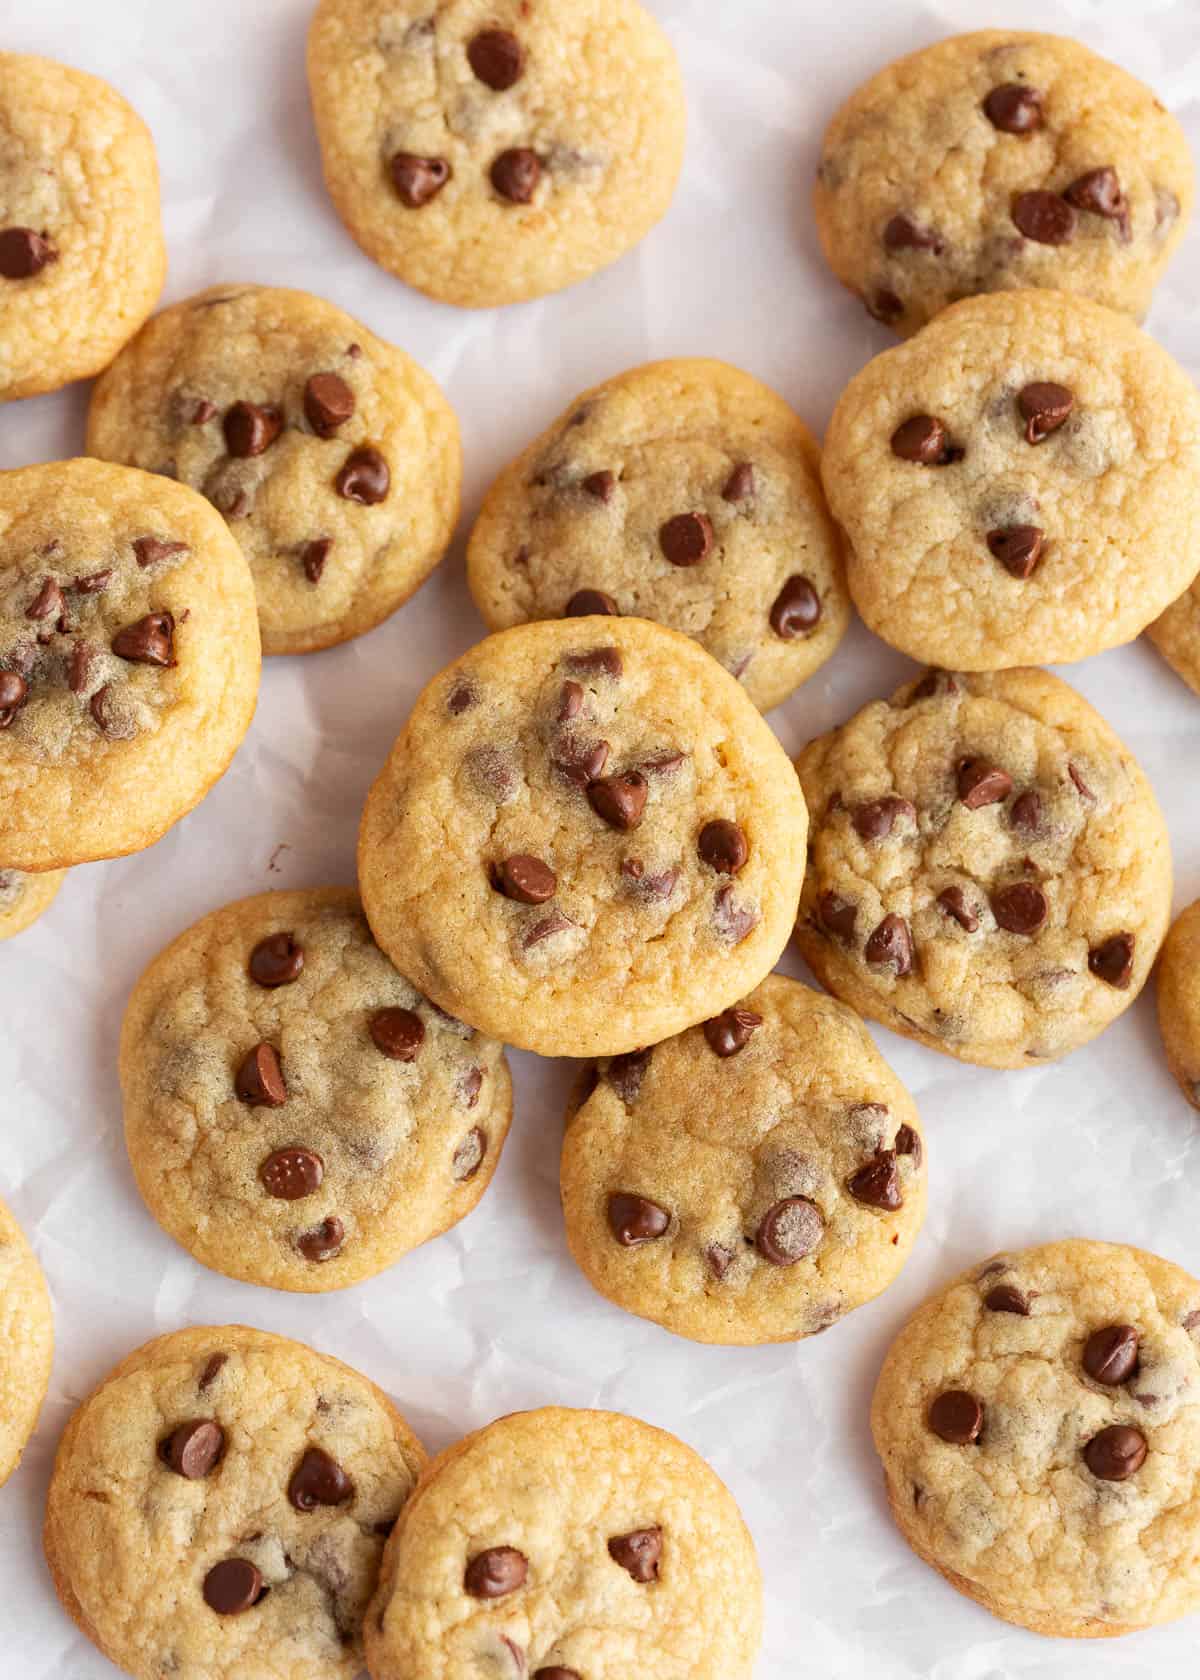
[(1044, 407), (789, 1231), (902, 234), (891, 946), (740, 485), (1110, 1355), (148, 642), (461, 698), (364, 477), (468, 1086), (291, 1174), (908, 1142), (922, 440), (95, 583), (1100, 192), (313, 557), (418, 179), (24, 253), (470, 1153), (318, 1479), (1014, 108), (796, 609), (495, 1573), (1018, 548), (1026, 812), (526, 879), (837, 915), (192, 1449), (597, 661), (884, 305), (14, 691), (328, 403), (213, 1365), (251, 429), (398, 1033), (1020, 908), (981, 783), (1007, 1298), (957, 1417), (719, 1259), (1112, 961), (635, 1219), (259, 1080), (1044, 217), (516, 173), (877, 1182), (731, 921), (549, 925), (586, 603), (108, 717), (570, 703), (723, 846), (203, 412), (1115, 1453), (233, 1586), (79, 666), (686, 539), (276, 960), (601, 485), (148, 551), (47, 603), (731, 1031), (638, 1553), (1081, 787), (954, 902), (322, 1241), (619, 800), (875, 819), (557, 1673), (497, 58), (625, 1073)]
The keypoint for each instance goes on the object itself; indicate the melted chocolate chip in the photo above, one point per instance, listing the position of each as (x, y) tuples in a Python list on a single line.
[(25, 252), (313, 557), (1018, 548), (1116, 1453), (397, 1033), (957, 1417), (416, 179), (276, 960), (597, 662), (588, 603), (922, 440), (1020, 908), (291, 1174), (233, 1586), (526, 879), (891, 946), (109, 719), (364, 478), (148, 642), (251, 429), (1007, 1298), (1026, 813), (636, 1219), (95, 583), (1098, 191), (877, 1182), (497, 58), (789, 1231), (837, 915), (147, 551), (1044, 217), (796, 609), (740, 485), (638, 1553), (1112, 961), (981, 783), (686, 539), (554, 923), (496, 1572), (619, 800), (876, 819), (47, 603), (625, 1073), (259, 1080), (723, 846), (908, 1142), (954, 902), (328, 403), (516, 173), (193, 1449), (318, 1479), (1014, 108), (322, 1241), (1044, 407), (732, 1030)]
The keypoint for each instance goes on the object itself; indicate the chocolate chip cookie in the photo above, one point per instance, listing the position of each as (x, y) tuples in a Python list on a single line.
[(1018, 486), (1178, 982), (333, 456), (567, 1545), (585, 839), (23, 898), (296, 1113), (1039, 1426), (82, 258), (1176, 635), (219, 1506), (989, 872), (999, 160), (26, 1342), (489, 153), (751, 1180), (129, 659), (686, 492)]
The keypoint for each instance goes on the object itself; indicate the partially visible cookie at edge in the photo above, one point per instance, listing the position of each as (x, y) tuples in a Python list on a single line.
[(1176, 635), (1178, 984), (23, 898), (26, 1342)]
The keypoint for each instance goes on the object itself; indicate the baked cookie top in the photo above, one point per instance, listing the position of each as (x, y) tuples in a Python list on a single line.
[(996, 160), (333, 456), (219, 1506), (1019, 485), (26, 1342), (989, 871), (296, 1113), (1178, 982), (23, 898), (486, 152), (1039, 1426), (82, 258), (684, 491), (1176, 635), (751, 1180), (563, 1544), (585, 838), (129, 659)]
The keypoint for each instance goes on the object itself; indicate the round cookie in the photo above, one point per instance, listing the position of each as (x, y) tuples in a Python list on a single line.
[(999, 160), (1178, 983), (989, 872), (219, 1505), (753, 1179), (683, 491), (82, 258), (23, 898), (1039, 1426), (296, 1114), (1018, 485), (26, 1342), (129, 659), (567, 1545), (490, 152), (1176, 635), (333, 456), (585, 838)]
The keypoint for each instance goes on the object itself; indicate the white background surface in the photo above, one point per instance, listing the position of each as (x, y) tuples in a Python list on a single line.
[(494, 1316)]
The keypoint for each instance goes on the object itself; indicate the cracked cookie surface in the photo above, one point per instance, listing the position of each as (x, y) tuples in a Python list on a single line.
[(296, 1113), (558, 1544), (219, 1506), (486, 153), (1178, 983), (26, 1342), (82, 258), (989, 872), (23, 898), (585, 839), (334, 457), (683, 491), (999, 160), (1039, 1426), (1018, 485), (751, 1180)]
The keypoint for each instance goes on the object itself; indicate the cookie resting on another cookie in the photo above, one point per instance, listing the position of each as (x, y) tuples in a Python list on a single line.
[(23, 898), (26, 1342), (1178, 982)]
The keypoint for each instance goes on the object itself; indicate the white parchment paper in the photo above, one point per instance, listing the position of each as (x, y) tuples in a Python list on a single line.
[(494, 1316)]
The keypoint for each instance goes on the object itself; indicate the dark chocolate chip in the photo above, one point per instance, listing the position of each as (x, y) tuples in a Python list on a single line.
[(47, 603), (1026, 812), (496, 1573), (789, 1231), (233, 1586), (957, 1417), (908, 1142), (259, 1080), (276, 960), (213, 1366), (322, 1241), (318, 1479), (1007, 1298), (723, 846), (251, 429), (922, 440), (884, 305), (981, 783), (291, 1174), (526, 879), (875, 819), (731, 1030), (1020, 908), (398, 1033), (1116, 1453), (148, 551), (570, 703), (1014, 108), (364, 477), (516, 173), (638, 1553), (636, 1219), (79, 666), (619, 800), (193, 1449), (461, 698), (1110, 1355), (625, 1073), (796, 609), (877, 1182), (148, 642), (837, 915), (891, 946), (416, 179), (740, 485), (588, 603), (95, 583), (601, 486), (313, 557), (328, 403), (686, 539), (24, 253), (14, 691), (1044, 217), (1099, 191), (954, 902), (1112, 961), (1044, 407), (496, 57), (1018, 548), (903, 234)]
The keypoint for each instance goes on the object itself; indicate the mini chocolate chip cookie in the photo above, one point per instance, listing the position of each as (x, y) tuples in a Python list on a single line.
[(296, 1114), (219, 1506), (82, 258), (490, 154), (585, 839), (686, 492), (129, 659), (26, 1341), (999, 160), (23, 898), (333, 456), (1178, 982), (1176, 635), (753, 1179), (989, 872), (1039, 1426), (1019, 485), (567, 1545)]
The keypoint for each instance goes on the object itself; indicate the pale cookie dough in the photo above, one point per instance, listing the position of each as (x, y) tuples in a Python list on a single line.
[(567, 1545), (683, 491), (129, 659), (752, 1180), (82, 258), (1176, 635), (26, 1342), (999, 160), (488, 151), (989, 872), (296, 1114), (23, 898), (1039, 1426), (585, 839), (1020, 485), (1178, 982), (219, 1506), (333, 456)]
